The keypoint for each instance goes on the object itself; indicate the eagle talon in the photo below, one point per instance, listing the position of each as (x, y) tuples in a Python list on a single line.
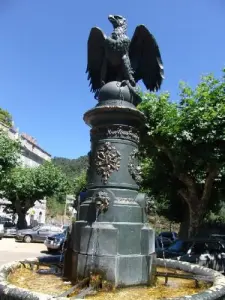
[(96, 95), (123, 83), (132, 82)]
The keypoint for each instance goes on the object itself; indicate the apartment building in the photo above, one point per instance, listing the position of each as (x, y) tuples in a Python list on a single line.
[(32, 156)]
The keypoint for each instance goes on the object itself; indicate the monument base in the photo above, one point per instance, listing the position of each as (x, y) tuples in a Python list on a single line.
[(123, 252), (121, 270)]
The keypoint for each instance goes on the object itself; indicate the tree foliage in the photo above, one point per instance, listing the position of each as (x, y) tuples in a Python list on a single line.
[(183, 148), (71, 167), (24, 186), (80, 183), (5, 117), (56, 205), (9, 153)]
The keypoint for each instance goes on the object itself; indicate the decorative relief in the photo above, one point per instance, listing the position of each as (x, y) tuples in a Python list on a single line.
[(107, 160), (116, 131), (133, 167)]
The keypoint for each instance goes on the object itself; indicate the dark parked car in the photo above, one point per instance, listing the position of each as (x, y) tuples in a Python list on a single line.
[(169, 235), (216, 236), (56, 242), (162, 243), (206, 252), (38, 233)]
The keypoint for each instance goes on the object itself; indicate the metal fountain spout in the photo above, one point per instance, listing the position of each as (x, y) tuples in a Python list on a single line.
[(101, 202)]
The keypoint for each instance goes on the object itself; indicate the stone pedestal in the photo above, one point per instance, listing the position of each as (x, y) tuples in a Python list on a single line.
[(112, 234)]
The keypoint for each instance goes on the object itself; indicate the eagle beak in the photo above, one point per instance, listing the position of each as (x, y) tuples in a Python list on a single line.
[(111, 18)]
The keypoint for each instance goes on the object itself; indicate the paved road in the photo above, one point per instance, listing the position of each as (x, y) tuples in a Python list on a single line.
[(11, 250)]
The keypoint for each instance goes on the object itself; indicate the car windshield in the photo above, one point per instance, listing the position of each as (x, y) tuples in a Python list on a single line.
[(179, 246)]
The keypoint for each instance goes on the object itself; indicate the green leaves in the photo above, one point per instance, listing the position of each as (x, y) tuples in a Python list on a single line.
[(186, 137), (28, 185), (5, 117), (80, 182), (9, 153), (50, 179)]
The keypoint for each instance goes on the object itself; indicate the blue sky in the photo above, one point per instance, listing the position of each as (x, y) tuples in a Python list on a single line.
[(43, 47)]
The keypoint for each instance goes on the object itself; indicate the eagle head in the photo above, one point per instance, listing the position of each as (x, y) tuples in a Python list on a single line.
[(117, 21)]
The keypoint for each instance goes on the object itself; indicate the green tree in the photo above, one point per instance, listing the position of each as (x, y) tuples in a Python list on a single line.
[(9, 154), (56, 205), (72, 167), (80, 183), (5, 117), (183, 150), (24, 186)]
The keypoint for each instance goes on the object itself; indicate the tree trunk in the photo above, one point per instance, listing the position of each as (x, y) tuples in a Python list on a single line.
[(191, 224), (21, 212), (185, 224), (197, 204), (21, 223), (197, 212)]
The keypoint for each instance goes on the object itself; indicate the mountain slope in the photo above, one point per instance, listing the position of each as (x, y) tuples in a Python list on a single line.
[(72, 167)]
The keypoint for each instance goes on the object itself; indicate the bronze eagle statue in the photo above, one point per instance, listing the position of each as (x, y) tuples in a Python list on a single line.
[(117, 58)]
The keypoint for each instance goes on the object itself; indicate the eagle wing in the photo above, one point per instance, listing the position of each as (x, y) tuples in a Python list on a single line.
[(145, 59), (96, 52)]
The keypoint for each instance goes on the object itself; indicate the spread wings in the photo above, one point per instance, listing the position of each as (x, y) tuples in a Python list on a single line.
[(96, 54), (145, 58)]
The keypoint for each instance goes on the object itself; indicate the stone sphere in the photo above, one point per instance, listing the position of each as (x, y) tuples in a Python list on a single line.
[(113, 91)]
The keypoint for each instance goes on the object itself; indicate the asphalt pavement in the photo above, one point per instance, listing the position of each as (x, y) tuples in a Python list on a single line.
[(11, 250)]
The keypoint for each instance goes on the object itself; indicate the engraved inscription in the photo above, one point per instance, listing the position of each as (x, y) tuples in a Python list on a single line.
[(115, 131), (121, 200)]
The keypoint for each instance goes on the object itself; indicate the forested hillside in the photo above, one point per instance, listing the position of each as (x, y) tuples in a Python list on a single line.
[(72, 167)]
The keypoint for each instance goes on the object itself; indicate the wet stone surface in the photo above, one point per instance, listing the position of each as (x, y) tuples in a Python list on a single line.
[(46, 280)]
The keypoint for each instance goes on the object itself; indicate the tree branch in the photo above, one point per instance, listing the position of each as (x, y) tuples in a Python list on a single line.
[(188, 181), (212, 173), (17, 204), (183, 193), (166, 150), (183, 177)]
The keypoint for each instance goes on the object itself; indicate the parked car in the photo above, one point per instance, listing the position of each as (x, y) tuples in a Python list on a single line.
[(65, 227), (217, 236), (1, 231), (206, 252), (10, 229), (4, 219), (37, 234), (162, 243), (55, 242), (169, 235)]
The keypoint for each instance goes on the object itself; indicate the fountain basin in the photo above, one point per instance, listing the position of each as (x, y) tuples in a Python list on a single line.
[(216, 291)]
